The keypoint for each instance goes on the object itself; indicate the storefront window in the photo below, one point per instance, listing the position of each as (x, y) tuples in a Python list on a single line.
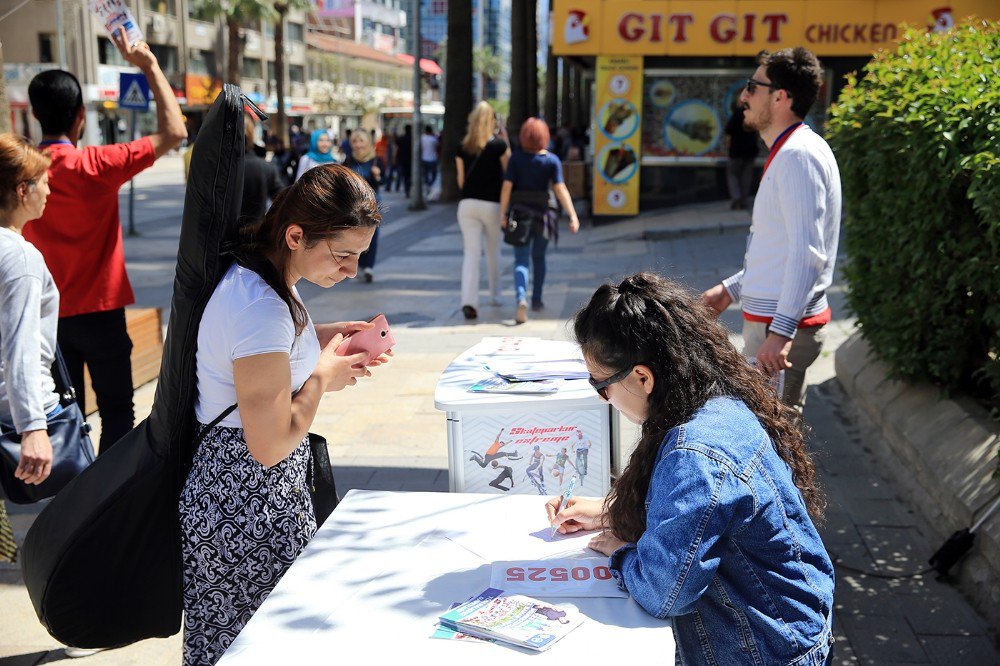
[(161, 6), (296, 74), (295, 32), (166, 56), (45, 50), (252, 69), (201, 63), (108, 53)]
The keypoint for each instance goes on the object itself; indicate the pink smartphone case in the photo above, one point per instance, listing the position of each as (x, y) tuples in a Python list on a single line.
[(375, 341)]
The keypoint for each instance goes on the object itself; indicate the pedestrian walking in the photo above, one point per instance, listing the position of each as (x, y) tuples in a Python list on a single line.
[(791, 253), (711, 523), (392, 177), (80, 234), (533, 175), (261, 181), (429, 144), (29, 310), (345, 145), (364, 162), (320, 152), (404, 158), (245, 509), (743, 148), (480, 165)]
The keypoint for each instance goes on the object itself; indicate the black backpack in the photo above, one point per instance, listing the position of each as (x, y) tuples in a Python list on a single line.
[(102, 562)]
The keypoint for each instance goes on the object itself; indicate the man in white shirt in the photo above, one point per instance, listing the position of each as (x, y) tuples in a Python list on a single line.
[(796, 223), (429, 156)]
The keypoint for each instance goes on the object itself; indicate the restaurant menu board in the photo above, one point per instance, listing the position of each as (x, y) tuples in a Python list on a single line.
[(617, 142), (534, 453), (685, 113)]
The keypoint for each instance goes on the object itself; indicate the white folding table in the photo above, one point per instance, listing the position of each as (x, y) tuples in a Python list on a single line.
[(369, 587)]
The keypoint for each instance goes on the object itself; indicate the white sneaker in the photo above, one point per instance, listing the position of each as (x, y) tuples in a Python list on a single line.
[(76, 653), (522, 312)]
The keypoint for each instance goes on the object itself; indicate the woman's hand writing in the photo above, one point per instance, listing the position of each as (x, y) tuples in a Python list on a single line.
[(579, 514), (36, 457)]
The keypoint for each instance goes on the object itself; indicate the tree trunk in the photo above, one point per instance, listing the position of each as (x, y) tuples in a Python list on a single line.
[(565, 102), (233, 49), (518, 62), (531, 70), (458, 93), (280, 120), (4, 102)]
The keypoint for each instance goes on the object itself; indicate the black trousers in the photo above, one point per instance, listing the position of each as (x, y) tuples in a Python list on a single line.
[(100, 340)]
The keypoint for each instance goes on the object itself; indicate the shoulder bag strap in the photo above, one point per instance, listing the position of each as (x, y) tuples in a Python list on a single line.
[(216, 421), (64, 385)]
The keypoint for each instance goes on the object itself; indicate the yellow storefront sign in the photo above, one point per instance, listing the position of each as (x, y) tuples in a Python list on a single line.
[(744, 27), (619, 135)]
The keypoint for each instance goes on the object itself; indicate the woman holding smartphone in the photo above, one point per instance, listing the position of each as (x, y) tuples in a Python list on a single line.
[(711, 522), (245, 510)]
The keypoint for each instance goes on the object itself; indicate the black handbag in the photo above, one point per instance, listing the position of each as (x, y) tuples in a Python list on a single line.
[(319, 476), (322, 489), (521, 223), (72, 450)]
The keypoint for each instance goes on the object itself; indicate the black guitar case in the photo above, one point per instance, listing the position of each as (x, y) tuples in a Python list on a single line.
[(102, 562)]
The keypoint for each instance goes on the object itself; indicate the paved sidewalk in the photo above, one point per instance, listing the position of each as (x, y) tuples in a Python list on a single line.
[(386, 434)]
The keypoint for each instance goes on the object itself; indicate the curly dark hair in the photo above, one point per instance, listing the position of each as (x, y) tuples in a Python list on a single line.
[(655, 322), (796, 71)]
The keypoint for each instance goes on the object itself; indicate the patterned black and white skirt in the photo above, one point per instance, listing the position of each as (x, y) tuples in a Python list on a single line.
[(242, 526)]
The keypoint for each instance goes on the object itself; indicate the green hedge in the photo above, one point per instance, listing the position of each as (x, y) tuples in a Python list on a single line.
[(917, 137)]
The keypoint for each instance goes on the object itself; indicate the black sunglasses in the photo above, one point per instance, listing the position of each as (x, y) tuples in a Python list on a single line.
[(602, 387), (752, 84)]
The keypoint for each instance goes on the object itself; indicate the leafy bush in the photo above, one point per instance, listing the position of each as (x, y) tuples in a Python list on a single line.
[(917, 138)]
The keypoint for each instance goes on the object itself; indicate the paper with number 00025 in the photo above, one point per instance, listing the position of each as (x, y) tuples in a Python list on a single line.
[(563, 577)]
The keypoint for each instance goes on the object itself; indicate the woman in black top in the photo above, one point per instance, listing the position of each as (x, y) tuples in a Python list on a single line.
[(364, 162), (481, 162)]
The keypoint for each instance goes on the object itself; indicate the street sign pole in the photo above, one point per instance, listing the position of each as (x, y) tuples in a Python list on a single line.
[(133, 94), (131, 189)]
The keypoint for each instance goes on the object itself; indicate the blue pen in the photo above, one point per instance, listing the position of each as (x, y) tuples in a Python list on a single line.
[(565, 500)]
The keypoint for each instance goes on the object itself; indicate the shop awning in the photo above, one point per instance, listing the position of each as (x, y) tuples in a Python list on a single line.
[(428, 66)]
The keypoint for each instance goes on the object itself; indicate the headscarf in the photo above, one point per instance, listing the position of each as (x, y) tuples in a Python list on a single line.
[(314, 154), (368, 153)]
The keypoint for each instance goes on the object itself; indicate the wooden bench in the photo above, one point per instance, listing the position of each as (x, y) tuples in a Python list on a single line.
[(145, 327)]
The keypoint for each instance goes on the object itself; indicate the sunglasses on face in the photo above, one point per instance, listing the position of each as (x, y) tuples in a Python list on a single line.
[(602, 386), (752, 84)]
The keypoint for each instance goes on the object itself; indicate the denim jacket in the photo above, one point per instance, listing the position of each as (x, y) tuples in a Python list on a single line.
[(729, 552)]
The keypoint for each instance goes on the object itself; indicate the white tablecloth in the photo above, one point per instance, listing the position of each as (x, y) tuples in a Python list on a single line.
[(375, 577)]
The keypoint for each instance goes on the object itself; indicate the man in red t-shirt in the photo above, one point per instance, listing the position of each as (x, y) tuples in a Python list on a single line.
[(80, 234)]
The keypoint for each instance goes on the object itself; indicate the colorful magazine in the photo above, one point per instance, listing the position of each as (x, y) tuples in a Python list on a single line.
[(501, 385), (513, 619)]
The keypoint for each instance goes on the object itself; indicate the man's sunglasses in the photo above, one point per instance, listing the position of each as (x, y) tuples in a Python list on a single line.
[(752, 84), (602, 386)]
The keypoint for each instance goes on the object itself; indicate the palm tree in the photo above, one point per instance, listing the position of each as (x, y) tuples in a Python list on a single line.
[(281, 8), (457, 92), (523, 65), (236, 13)]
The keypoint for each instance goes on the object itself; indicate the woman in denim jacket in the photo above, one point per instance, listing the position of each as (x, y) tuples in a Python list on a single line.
[(710, 522)]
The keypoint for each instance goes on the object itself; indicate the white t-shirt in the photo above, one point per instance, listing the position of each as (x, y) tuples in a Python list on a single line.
[(428, 147), (246, 317)]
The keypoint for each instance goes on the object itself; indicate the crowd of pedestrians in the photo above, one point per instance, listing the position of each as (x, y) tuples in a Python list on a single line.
[(713, 513)]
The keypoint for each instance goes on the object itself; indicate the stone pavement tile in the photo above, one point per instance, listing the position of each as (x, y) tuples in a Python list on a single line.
[(864, 485), (934, 607), (969, 651), (857, 595), (838, 528), (881, 512), (879, 639), (854, 555), (843, 652), (896, 550)]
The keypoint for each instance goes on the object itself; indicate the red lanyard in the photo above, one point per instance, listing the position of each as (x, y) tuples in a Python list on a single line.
[(779, 142)]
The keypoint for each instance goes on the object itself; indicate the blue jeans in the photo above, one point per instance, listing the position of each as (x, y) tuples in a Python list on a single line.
[(535, 250), (367, 258), (430, 172)]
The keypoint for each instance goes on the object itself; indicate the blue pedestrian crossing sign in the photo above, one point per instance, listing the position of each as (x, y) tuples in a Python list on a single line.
[(133, 92)]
